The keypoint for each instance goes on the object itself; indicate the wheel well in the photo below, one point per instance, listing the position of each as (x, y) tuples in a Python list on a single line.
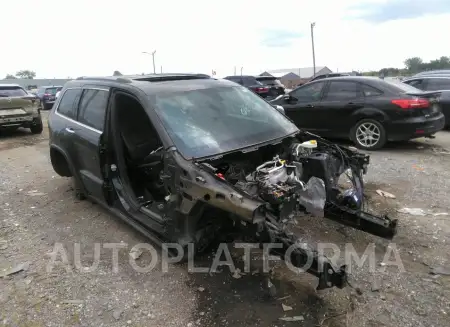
[(59, 163)]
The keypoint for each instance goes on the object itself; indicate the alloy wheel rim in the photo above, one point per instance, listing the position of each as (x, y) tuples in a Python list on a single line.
[(368, 134)]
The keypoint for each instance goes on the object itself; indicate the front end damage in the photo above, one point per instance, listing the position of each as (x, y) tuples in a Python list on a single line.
[(266, 187)]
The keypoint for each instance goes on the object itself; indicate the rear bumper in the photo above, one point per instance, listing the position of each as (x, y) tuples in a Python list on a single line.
[(414, 127)]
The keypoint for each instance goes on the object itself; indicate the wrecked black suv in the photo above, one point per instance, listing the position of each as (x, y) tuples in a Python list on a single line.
[(184, 157)]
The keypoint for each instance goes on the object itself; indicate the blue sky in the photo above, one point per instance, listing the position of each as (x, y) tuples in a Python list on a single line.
[(72, 38)]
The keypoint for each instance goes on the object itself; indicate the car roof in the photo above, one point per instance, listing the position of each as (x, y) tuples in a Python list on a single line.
[(10, 85), (155, 83), (428, 76), (350, 78)]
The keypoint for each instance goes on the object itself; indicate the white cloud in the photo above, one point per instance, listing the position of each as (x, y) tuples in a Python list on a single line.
[(96, 37)]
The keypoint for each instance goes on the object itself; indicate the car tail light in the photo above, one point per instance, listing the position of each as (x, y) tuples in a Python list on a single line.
[(411, 103), (262, 89)]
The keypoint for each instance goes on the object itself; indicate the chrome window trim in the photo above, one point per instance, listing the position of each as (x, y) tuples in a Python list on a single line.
[(75, 121)]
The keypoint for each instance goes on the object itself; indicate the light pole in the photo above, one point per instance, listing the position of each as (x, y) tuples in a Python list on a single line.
[(312, 43), (153, 57), (241, 70)]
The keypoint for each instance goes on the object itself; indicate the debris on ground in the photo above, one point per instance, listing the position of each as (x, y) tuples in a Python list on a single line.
[(16, 269), (413, 211), (385, 194), (201, 289), (440, 271), (286, 307), (35, 193), (272, 289), (135, 253), (237, 273), (76, 302), (117, 313), (375, 286), (294, 318)]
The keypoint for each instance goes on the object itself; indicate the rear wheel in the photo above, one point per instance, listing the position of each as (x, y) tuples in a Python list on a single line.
[(368, 134), (37, 126)]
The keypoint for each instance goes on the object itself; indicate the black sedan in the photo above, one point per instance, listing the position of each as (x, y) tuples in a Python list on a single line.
[(367, 110)]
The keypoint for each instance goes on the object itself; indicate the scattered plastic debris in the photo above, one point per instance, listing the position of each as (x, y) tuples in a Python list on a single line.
[(385, 194), (35, 193), (201, 289), (294, 318), (440, 271), (237, 273), (440, 214), (16, 269), (286, 307), (413, 211), (272, 288), (135, 253)]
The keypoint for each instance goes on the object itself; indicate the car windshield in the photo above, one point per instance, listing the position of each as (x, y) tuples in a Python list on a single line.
[(271, 82), (11, 91), (51, 91), (402, 87), (207, 122)]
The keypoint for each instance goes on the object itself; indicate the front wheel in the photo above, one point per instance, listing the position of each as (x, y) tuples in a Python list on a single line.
[(368, 134)]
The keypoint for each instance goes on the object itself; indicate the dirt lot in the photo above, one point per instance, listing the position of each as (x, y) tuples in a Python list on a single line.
[(38, 210)]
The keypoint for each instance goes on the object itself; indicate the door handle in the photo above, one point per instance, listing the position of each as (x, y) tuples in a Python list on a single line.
[(309, 106), (70, 130), (354, 104)]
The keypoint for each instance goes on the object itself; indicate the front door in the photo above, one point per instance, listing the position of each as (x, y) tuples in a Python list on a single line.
[(340, 100), (87, 133), (302, 105)]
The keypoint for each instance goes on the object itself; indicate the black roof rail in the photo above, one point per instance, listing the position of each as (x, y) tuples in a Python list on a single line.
[(168, 77), (109, 79)]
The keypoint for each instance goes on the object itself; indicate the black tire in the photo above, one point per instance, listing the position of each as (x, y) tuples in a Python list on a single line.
[(37, 126), (78, 190), (377, 127)]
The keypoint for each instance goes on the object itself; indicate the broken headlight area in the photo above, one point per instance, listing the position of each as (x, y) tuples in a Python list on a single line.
[(302, 174)]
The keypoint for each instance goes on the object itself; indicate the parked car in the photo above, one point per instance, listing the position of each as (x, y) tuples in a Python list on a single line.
[(251, 83), (433, 72), (47, 94), (18, 108), (435, 82), (367, 110), (275, 86), (181, 158), (327, 76)]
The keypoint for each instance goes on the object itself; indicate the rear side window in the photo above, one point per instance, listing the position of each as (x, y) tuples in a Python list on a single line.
[(270, 82), (437, 84), (370, 91), (92, 108), (416, 83), (67, 105), (12, 91), (340, 90)]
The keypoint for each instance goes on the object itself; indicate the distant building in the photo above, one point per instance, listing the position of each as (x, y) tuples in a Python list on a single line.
[(292, 77), (34, 83)]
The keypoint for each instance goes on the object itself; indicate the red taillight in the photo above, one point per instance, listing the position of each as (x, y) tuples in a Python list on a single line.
[(411, 103), (262, 89)]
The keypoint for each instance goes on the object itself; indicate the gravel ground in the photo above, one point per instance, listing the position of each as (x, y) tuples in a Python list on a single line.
[(38, 210)]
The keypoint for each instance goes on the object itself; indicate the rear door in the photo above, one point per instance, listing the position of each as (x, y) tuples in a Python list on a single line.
[(87, 132), (301, 106), (340, 100), (441, 84)]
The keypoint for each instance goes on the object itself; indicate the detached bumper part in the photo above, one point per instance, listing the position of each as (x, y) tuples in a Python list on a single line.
[(381, 226)]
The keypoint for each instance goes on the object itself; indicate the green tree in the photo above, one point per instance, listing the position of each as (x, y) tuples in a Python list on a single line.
[(9, 76), (414, 64), (26, 74), (117, 73)]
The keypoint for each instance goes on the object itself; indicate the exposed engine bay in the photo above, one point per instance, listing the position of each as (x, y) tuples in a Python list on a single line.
[(302, 173)]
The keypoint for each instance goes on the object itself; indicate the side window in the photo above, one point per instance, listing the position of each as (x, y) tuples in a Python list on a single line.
[(370, 91), (308, 92), (418, 83), (92, 108), (67, 105), (235, 79), (342, 90), (437, 84)]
